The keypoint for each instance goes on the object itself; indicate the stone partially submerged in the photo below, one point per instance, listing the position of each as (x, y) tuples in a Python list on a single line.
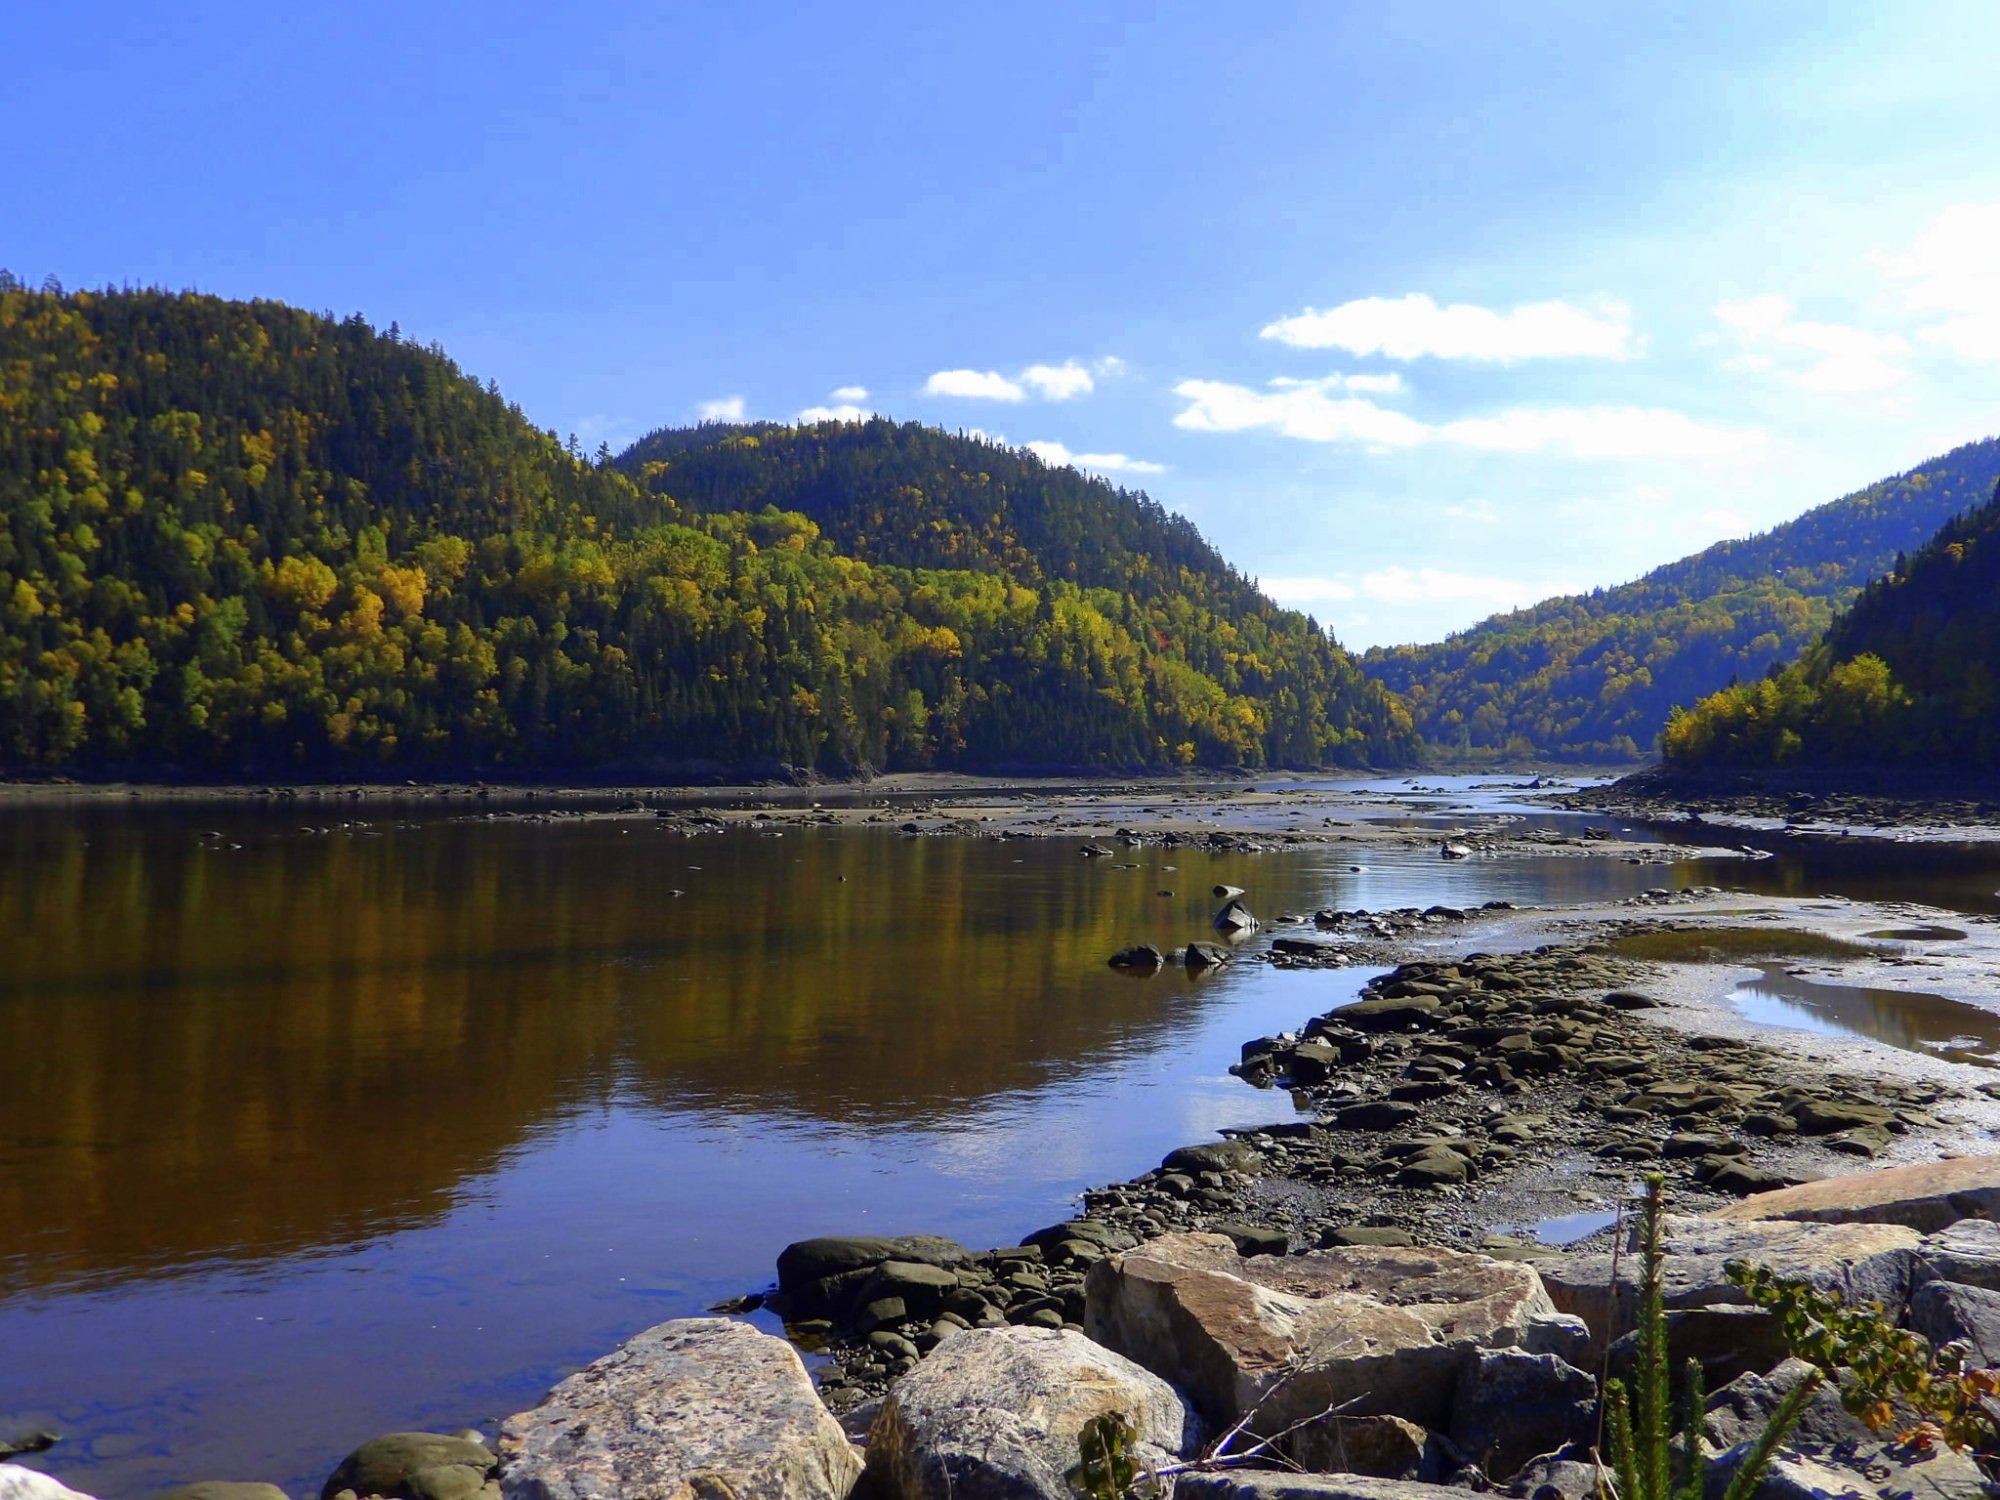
[(997, 1414), (694, 1409)]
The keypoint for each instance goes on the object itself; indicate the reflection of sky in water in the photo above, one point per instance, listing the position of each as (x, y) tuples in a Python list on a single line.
[(1913, 1020), (595, 1105)]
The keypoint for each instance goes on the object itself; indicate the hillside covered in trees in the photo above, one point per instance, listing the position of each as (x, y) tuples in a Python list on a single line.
[(1906, 676), (1593, 677), (241, 539)]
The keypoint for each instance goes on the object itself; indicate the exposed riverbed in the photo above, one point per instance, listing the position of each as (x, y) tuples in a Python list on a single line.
[(338, 1116)]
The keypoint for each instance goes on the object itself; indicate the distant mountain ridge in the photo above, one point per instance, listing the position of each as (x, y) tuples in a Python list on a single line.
[(241, 540), (1908, 675), (1594, 676)]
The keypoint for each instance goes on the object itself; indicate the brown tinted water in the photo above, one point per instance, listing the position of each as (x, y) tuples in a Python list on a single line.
[(312, 1131)]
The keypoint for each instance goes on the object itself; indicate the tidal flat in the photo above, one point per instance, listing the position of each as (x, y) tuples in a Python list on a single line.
[(337, 1114)]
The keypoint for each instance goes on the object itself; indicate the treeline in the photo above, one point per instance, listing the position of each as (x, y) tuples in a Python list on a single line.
[(240, 539), (1593, 677), (1907, 675)]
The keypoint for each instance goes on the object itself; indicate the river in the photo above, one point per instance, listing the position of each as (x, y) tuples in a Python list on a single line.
[(318, 1124)]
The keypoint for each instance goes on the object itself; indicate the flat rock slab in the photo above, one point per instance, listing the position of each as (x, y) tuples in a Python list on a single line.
[(1863, 1262), (996, 1414), (1925, 1196), (1382, 1327), (695, 1409)]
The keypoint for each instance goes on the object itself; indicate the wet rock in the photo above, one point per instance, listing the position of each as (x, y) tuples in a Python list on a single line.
[(921, 1289), (688, 1410), (1383, 1114), (412, 1466), (1199, 956), (1630, 1000), (996, 1415), (17, 1482), (1095, 1231), (1294, 1335), (1211, 1156), (1139, 956), (1511, 1406), (1399, 1013), (227, 1489), (825, 1277), (1926, 1197), (1234, 917)]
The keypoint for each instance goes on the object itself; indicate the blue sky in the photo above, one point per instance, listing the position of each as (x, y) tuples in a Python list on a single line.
[(1417, 310)]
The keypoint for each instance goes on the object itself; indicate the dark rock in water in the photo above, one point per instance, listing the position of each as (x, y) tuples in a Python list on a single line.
[(1455, 851), (1210, 1156), (1250, 1239), (1303, 947), (1139, 956), (1312, 1061), (920, 1288), (1206, 956), (404, 1465), (1235, 917), (225, 1489), (1226, 892), (1093, 1231), (825, 1277), (1511, 1406), (1395, 1014)]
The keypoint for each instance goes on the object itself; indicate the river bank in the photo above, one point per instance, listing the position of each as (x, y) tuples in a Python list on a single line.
[(1500, 1090), (1029, 856)]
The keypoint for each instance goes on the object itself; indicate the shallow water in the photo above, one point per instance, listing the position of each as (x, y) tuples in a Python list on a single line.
[(316, 1129), (1908, 1019)]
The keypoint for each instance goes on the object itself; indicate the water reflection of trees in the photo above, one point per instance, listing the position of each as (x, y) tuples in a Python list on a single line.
[(218, 1051)]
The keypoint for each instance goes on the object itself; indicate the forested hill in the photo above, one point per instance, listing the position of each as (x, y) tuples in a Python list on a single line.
[(237, 539), (1594, 676), (1908, 675)]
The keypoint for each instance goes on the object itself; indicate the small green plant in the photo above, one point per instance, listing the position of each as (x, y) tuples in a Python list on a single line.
[(1889, 1377), (1649, 1463), (1108, 1469)]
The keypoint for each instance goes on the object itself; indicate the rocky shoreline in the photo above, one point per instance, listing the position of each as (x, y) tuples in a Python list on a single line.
[(1461, 1100)]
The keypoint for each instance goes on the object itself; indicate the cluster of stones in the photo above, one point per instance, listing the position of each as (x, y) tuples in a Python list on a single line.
[(1446, 1071), (1365, 1373)]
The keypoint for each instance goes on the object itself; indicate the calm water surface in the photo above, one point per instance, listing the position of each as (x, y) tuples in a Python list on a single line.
[(313, 1130)]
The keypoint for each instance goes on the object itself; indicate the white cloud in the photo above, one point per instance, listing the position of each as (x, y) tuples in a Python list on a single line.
[(1399, 585), (851, 393), (1306, 410), (974, 385), (846, 412), (1059, 382), (1475, 512), (1414, 326), (1836, 359), (1953, 276), (725, 409), (1390, 384), (1056, 455), (1110, 365)]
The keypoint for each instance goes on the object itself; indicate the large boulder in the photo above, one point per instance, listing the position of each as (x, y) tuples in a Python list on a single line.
[(1926, 1196), (412, 1466), (825, 1277), (1864, 1262), (996, 1414), (1743, 1409), (1967, 1252), (18, 1482), (1870, 1471), (690, 1410), (1376, 1330)]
